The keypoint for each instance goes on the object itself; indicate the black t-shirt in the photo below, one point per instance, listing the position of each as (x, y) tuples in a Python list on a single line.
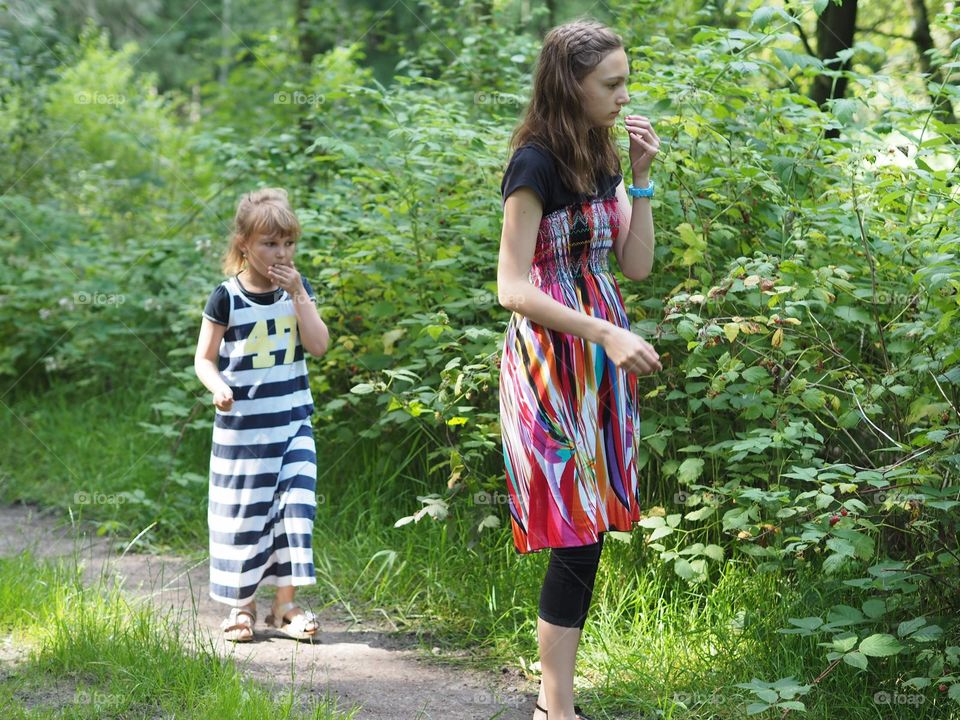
[(218, 304), (534, 167)]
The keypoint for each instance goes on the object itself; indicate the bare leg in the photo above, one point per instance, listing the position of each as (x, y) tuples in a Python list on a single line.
[(558, 658), (286, 594)]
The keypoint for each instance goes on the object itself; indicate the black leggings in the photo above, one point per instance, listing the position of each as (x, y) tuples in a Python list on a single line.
[(568, 585)]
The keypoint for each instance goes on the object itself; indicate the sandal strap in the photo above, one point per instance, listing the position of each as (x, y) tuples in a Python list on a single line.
[(234, 622), (298, 623), (576, 709), (279, 611)]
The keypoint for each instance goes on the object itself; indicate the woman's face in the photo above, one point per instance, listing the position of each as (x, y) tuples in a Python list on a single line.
[(605, 89)]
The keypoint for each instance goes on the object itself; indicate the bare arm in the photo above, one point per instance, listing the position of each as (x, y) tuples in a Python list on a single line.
[(521, 219), (314, 335), (205, 363), (634, 244)]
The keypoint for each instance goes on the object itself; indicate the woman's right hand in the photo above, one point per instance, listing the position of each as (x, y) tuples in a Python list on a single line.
[(631, 352), (223, 399)]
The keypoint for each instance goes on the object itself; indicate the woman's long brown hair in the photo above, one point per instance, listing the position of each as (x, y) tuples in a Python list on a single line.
[(555, 119)]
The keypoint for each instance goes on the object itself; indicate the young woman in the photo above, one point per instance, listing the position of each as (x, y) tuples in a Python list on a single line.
[(568, 383)]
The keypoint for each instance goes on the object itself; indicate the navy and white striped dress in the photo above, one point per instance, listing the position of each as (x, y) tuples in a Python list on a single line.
[(263, 470)]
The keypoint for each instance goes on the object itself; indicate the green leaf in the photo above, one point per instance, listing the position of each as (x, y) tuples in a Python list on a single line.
[(755, 374), (762, 16), (852, 314), (652, 522), (792, 705), (808, 623), (908, 626), (660, 532), (690, 470), (702, 513), (874, 608), (927, 634), (682, 568), (714, 552), (845, 644), (880, 645), (857, 659)]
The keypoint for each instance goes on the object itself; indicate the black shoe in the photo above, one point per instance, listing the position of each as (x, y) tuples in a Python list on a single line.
[(576, 709)]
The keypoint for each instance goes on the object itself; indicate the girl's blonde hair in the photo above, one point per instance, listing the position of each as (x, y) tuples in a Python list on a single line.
[(555, 119), (265, 212)]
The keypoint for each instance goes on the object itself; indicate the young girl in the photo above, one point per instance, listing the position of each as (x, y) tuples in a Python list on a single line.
[(256, 326), (568, 387)]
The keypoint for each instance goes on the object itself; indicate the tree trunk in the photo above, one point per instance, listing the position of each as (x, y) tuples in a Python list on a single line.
[(306, 39), (835, 29), (224, 42), (942, 107)]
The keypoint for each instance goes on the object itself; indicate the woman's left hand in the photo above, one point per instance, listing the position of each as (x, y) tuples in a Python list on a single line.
[(644, 144), (287, 277)]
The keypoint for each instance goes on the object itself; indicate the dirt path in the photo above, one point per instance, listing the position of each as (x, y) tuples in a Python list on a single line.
[(382, 673)]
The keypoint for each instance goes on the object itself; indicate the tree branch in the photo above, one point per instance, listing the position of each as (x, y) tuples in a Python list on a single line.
[(885, 34), (803, 35)]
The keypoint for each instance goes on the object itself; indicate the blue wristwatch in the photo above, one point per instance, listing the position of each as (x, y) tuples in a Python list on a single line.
[(636, 192)]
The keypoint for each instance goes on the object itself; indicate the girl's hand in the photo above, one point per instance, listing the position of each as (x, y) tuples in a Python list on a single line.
[(644, 145), (223, 399), (287, 277), (631, 352)]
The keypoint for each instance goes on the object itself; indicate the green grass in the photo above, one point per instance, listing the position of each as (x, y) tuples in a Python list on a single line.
[(93, 655), (653, 643)]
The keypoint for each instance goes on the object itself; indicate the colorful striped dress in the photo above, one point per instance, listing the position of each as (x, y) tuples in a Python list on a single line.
[(262, 490), (569, 418)]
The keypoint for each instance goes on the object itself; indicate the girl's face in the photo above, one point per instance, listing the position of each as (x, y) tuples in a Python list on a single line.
[(262, 252), (605, 89)]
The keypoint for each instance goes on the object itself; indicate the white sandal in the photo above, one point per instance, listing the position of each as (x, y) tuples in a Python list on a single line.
[(295, 627), (238, 627)]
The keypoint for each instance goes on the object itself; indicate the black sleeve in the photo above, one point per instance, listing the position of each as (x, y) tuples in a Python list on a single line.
[(309, 289), (612, 184), (218, 306), (529, 167)]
